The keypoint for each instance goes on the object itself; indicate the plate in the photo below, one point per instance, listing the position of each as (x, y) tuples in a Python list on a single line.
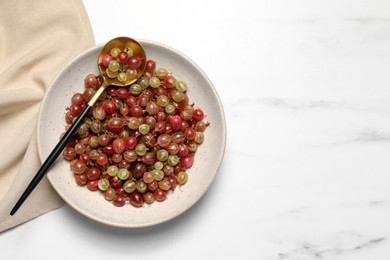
[(208, 157)]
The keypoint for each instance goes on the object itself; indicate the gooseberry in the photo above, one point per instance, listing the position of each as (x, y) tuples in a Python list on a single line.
[(138, 142)]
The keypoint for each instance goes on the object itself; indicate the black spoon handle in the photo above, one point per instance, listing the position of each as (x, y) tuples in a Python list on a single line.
[(52, 157)]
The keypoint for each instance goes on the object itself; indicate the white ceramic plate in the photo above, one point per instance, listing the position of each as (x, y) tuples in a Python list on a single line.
[(92, 204)]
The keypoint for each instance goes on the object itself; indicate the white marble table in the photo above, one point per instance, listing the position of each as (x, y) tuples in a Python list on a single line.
[(306, 91)]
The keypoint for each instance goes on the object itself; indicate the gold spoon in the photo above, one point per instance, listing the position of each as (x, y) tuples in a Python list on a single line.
[(122, 43)]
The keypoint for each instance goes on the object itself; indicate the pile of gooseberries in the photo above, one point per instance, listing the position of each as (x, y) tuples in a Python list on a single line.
[(138, 142), (120, 64)]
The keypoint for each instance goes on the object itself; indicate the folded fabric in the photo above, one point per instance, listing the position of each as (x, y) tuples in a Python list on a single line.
[(37, 39)]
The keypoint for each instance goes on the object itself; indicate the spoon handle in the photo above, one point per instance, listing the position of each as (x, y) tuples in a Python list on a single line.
[(58, 148), (52, 157)]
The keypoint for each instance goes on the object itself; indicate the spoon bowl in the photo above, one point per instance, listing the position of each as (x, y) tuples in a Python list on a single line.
[(122, 43)]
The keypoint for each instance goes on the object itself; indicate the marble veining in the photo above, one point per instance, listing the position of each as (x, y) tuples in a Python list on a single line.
[(308, 251), (342, 239)]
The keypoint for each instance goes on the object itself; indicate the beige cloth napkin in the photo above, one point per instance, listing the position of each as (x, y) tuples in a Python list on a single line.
[(37, 39)]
